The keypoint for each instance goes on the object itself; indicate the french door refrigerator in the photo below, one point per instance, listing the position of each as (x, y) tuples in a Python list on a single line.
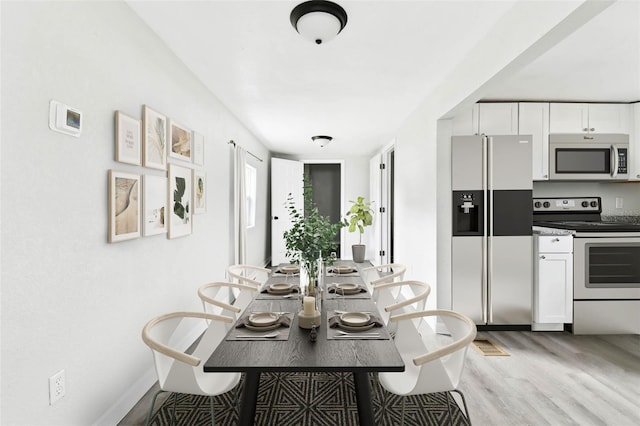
[(491, 236)]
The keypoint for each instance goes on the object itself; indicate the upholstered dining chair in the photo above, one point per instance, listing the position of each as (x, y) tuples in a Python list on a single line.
[(249, 274), (180, 372), (386, 273), (224, 298), (433, 362), (400, 297)]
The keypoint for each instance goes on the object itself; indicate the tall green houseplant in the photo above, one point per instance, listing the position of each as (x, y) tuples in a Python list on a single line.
[(311, 236), (359, 216)]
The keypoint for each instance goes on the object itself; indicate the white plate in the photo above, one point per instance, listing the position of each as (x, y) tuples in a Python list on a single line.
[(355, 319), (343, 269), (280, 287), (289, 269), (347, 288), (263, 319), (352, 328)]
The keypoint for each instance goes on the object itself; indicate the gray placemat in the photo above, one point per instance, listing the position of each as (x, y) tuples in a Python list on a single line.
[(364, 294), (334, 330)]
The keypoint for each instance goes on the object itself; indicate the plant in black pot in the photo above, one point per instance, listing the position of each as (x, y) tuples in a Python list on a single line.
[(359, 216)]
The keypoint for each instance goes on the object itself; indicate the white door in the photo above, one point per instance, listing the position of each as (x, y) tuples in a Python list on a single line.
[(286, 178)]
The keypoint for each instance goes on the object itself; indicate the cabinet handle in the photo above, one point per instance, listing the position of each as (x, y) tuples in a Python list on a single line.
[(592, 129), (543, 257), (585, 129), (556, 240), (638, 176)]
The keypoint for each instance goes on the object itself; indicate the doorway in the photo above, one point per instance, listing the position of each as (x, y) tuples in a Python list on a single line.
[(326, 182)]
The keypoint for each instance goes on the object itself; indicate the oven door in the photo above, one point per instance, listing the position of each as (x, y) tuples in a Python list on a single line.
[(607, 268)]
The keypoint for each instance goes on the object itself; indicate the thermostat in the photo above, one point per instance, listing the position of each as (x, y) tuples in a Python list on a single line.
[(64, 119)]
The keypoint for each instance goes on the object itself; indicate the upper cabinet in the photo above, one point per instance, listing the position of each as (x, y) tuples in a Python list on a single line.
[(466, 122), (533, 119), (589, 118), (498, 118)]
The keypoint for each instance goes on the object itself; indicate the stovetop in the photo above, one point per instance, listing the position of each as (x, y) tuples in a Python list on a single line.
[(580, 214)]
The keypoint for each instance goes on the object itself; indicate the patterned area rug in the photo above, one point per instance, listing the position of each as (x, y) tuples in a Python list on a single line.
[(294, 399)]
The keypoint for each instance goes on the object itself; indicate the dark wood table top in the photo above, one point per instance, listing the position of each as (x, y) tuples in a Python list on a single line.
[(298, 353)]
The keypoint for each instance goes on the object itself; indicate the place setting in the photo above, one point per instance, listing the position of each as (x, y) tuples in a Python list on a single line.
[(286, 270), (279, 290), (342, 271), (355, 325), (349, 290), (262, 326)]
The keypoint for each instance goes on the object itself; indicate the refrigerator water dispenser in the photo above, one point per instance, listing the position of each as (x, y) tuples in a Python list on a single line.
[(467, 213)]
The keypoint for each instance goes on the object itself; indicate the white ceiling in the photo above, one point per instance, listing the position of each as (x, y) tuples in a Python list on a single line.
[(360, 87)]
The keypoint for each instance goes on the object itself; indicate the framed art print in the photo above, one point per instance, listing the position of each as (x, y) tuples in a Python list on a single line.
[(198, 149), (154, 139), (124, 206), (154, 219), (199, 192), (180, 205), (180, 141), (128, 147)]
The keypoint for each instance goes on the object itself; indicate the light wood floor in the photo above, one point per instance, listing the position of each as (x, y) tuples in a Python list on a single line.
[(550, 378)]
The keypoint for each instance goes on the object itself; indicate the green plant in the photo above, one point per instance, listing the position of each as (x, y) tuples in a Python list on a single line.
[(359, 216), (311, 235)]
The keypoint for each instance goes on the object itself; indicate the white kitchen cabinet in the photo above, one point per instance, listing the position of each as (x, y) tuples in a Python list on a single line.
[(588, 118), (498, 118), (466, 122), (634, 144), (553, 283), (533, 119)]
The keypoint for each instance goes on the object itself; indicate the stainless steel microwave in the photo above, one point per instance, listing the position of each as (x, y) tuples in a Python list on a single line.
[(588, 156)]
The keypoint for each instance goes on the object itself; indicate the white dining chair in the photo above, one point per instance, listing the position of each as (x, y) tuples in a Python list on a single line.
[(389, 272), (225, 298), (433, 362), (249, 274), (400, 297), (181, 372)]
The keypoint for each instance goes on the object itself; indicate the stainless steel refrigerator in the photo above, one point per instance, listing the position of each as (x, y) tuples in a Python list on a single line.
[(491, 237)]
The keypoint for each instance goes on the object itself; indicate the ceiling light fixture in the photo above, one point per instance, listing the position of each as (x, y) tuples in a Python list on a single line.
[(322, 140), (318, 21)]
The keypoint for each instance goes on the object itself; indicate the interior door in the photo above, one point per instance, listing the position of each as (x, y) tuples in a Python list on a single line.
[(375, 183), (286, 178)]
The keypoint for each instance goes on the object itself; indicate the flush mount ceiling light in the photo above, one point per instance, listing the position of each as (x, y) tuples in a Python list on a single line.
[(322, 140), (318, 21)]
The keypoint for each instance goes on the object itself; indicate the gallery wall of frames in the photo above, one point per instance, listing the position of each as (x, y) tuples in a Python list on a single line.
[(152, 203)]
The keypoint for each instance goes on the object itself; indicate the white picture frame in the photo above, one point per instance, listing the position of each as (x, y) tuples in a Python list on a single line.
[(180, 201), (154, 139), (154, 218), (128, 140), (124, 206), (180, 142), (199, 192), (198, 149)]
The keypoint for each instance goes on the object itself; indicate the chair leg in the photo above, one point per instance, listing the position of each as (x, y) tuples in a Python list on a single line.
[(464, 404), (153, 403), (175, 404), (213, 413), (449, 397), (404, 398)]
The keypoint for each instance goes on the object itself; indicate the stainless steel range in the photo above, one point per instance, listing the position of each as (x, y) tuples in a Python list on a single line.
[(606, 285)]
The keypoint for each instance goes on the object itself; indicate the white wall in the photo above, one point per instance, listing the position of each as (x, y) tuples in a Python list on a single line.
[(70, 300)]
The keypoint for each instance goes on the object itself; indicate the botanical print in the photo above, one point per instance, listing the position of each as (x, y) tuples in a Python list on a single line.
[(124, 206), (155, 205), (180, 201), (180, 142), (155, 136), (199, 192), (128, 147)]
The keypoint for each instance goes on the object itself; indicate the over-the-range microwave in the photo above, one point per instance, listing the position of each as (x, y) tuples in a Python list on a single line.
[(588, 156)]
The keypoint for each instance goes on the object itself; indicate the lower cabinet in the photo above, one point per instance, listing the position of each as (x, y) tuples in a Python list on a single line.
[(553, 283)]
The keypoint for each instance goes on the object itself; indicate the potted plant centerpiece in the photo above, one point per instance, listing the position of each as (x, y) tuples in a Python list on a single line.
[(311, 238), (359, 216)]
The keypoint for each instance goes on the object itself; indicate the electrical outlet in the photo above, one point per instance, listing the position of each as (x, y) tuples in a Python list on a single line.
[(57, 387), (619, 202)]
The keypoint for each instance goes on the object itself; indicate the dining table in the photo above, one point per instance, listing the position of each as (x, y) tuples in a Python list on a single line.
[(294, 350)]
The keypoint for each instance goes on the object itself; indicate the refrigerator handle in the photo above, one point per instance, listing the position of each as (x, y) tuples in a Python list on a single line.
[(489, 233), (484, 278)]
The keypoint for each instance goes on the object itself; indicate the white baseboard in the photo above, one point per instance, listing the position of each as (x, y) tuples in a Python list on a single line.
[(140, 387)]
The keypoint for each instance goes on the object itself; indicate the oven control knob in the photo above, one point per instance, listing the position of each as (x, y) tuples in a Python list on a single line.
[(537, 204), (594, 204), (585, 204), (547, 204)]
